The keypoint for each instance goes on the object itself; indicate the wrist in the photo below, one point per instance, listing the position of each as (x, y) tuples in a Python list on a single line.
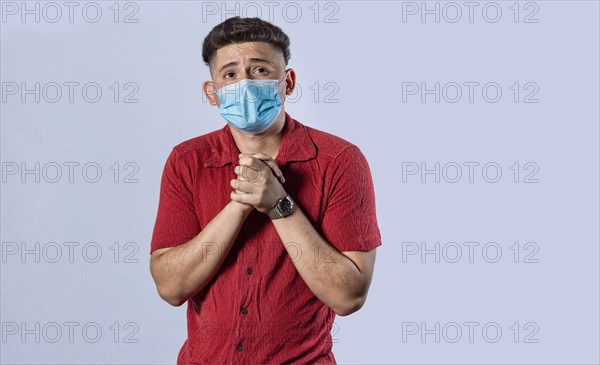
[(282, 208), (240, 208)]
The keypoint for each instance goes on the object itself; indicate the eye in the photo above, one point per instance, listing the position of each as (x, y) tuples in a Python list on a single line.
[(261, 70), (229, 75)]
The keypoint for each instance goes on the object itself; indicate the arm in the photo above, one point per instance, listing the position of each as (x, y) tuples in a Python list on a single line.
[(341, 280), (182, 271)]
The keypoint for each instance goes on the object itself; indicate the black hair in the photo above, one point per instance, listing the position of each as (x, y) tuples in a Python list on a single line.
[(240, 30)]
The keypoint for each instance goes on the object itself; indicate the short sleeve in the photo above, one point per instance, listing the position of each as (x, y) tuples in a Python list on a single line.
[(350, 219), (176, 220)]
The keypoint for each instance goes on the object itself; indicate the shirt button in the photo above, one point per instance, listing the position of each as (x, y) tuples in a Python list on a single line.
[(249, 271), (239, 347), (244, 311), (251, 235)]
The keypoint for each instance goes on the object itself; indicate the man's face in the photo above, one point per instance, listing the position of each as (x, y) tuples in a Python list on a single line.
[(249, 60)]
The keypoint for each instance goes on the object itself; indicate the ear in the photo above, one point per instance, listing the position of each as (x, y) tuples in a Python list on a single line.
[(209, 90), (290, 81)]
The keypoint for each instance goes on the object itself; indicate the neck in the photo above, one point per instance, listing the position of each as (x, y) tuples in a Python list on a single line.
[(267, 142)]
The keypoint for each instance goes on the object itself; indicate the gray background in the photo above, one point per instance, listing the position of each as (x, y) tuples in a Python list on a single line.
[(75, 249)]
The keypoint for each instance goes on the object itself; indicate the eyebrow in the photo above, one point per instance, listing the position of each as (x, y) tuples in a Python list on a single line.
[(253, 60)]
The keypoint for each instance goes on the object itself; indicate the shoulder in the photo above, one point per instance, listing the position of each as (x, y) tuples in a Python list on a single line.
[(197, 145), (337, 155), (187, 156), (329, 146)]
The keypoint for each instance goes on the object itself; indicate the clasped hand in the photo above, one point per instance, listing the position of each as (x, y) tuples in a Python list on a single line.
[(259, 182)]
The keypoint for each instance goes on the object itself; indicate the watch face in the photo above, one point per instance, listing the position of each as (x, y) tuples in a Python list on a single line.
[(285, 206)]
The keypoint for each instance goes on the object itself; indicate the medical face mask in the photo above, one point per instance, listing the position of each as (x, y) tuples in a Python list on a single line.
[(251, 106)]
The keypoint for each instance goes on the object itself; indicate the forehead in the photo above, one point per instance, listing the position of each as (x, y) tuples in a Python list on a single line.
[(239, 52)]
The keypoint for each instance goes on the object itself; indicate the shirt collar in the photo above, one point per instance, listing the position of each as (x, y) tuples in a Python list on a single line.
[(296, 145)]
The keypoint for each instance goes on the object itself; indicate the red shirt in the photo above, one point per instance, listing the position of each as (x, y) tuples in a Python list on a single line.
[(257, 308)]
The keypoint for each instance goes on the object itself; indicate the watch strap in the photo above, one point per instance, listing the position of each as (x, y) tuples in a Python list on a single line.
[(276, 213)]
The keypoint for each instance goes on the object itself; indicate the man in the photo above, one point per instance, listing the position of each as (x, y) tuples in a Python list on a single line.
[(266, 227)]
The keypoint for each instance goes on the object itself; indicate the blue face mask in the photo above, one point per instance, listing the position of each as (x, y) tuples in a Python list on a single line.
[(251, 106)]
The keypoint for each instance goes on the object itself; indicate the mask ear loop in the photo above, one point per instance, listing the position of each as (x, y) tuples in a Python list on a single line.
[(284, 76), (214, 88)]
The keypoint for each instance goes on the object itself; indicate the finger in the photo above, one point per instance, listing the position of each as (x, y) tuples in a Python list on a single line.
[(241, 172), (266, 159), (242, 186), (249, 160), (242, 198), (259, 164), (248, 174), (276, 170)]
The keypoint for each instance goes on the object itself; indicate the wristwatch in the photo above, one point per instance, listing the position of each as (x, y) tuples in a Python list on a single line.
[(283, 208)]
